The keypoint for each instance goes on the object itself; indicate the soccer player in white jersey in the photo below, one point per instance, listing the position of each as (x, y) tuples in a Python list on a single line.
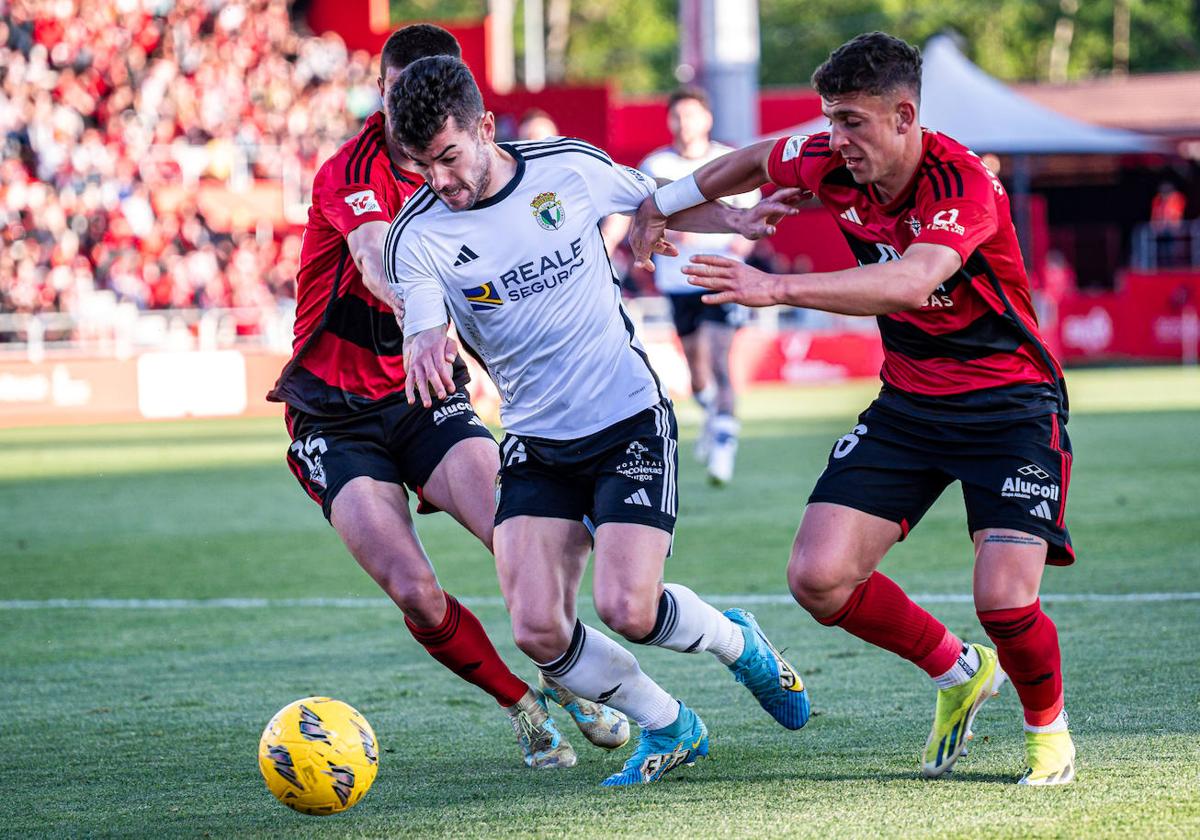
[(706, 332), (507, 237)]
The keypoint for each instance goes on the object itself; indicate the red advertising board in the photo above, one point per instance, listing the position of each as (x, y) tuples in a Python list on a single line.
[(231, 383), (1150, 317)]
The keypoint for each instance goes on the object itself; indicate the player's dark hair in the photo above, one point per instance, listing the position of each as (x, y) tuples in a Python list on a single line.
[(428, 92), (689, 92), (420, 40), (874, 63)]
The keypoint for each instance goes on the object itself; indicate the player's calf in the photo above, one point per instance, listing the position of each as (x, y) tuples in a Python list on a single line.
[(686, 623), (1027, 643)]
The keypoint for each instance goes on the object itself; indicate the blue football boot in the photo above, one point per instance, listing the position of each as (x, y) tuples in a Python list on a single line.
[(659, 751), (772, 681)]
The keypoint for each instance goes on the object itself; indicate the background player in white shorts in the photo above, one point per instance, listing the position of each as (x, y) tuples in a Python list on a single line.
[(706, 332)]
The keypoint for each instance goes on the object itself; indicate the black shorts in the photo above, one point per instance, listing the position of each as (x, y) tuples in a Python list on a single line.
[(1014, 473), (397, 443), (625, 473), (689, 312)]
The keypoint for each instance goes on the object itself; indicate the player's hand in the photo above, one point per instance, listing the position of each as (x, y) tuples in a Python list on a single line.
[(763, 218), (398, 311), (732, 281), (428, 372), (647, 235)]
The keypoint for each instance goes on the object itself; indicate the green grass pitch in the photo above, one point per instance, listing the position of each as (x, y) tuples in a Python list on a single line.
[(133, 720)]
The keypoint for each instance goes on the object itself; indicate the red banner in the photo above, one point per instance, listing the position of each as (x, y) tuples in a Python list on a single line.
[(232, 383), (1151, 317)]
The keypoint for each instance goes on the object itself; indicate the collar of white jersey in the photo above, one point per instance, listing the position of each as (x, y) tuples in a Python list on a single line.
[(507, 189)]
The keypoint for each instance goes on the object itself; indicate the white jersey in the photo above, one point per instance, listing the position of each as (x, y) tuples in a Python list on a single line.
[(668, 164), (527, 280)]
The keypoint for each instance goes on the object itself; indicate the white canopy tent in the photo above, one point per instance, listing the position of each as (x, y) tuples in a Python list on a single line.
[(965, 103), (960, 100)]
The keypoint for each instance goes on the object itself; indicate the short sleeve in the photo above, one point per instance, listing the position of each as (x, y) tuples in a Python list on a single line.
[(621, 189), (957, 208), (792, 156), (348, 205), (611, 187)]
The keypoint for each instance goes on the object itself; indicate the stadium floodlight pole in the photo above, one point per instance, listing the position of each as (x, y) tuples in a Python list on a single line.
[(535, 45), (719, 44), (501, 55)]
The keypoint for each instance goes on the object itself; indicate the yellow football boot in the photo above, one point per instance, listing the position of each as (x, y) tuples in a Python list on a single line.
[(956, 710), (1051, 757)]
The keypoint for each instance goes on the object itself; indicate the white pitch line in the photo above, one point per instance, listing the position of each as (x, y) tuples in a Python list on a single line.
[(361, 603)]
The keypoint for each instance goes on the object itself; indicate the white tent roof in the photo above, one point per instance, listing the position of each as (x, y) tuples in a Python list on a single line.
[(960, 100)]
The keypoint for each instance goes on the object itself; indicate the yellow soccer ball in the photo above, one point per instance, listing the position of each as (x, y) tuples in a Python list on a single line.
[(318, 755)]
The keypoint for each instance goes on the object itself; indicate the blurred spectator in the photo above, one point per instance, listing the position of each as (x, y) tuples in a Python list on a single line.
[(105, 105), (536, 124), (1166, 225), (1055, 282), (1167, 207)]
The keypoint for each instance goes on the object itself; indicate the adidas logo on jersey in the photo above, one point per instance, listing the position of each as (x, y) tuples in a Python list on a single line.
[(1041, 510), (851, 215), (639, 498), (465, 255)]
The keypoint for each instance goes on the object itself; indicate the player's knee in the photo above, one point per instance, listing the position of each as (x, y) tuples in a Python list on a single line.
[(816, 579), (627, 614), (418, 596), (542, 638)]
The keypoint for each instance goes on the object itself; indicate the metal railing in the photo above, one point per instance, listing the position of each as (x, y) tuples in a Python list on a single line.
[(1157, 246), (107, 328)]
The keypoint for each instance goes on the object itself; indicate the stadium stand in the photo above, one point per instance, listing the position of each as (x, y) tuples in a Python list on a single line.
[(114, 113)]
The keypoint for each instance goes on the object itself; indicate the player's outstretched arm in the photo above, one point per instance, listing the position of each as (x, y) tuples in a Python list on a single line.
[(876, 289), (366, 249), (750, 222), (737, 172)]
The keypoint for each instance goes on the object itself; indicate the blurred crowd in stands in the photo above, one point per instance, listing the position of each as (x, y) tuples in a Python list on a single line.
[(104, 106)]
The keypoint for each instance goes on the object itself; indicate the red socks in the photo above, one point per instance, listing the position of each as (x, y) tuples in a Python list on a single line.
[(460, 644), (1027, 642), (879, 612)]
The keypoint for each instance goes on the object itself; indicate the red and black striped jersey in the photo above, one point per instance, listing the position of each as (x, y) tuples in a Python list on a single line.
[(973, 346), (347, 353)]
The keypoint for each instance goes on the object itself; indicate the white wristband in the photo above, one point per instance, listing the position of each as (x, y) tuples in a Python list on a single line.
[(678, 195)]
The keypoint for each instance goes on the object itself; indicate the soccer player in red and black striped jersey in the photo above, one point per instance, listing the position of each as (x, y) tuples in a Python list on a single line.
[(970, 392), (356, 442)]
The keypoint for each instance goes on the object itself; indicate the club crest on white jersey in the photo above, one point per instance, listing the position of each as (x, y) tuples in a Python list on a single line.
[(536, 301), (548, 211)]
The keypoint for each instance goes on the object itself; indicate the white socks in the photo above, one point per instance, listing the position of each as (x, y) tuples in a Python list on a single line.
[(1059, 724), (689, 625), (965, 667), (596, 667)]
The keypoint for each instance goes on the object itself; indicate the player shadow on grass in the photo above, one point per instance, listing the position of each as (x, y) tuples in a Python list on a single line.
[(815, 775)]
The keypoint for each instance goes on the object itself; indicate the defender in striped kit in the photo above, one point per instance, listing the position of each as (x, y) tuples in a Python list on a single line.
[(970, 391), (507, 238), (356, 443)]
